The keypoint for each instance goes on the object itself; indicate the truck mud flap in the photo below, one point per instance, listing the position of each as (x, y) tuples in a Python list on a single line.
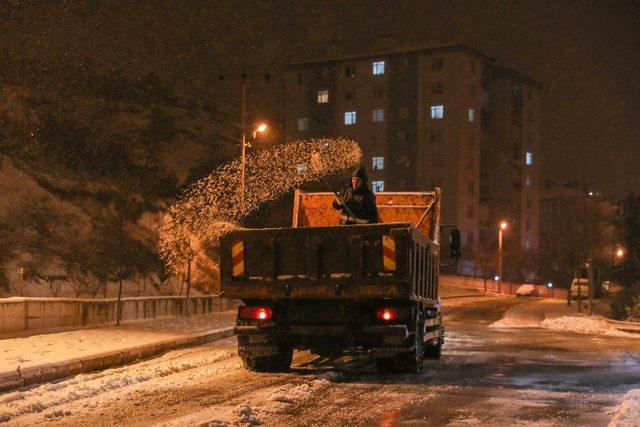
[(257, 350), (394, 330), (390, 351)]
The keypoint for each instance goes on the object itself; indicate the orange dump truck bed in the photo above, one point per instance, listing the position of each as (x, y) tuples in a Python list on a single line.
[(316, 258)]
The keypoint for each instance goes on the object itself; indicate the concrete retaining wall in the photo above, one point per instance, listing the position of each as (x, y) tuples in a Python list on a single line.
[(18, 315), (506, 288)]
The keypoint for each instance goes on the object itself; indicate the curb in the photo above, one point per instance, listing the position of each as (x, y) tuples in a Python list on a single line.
[(10, 380)]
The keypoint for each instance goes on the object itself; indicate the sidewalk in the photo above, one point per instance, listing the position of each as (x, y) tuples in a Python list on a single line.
[(41, 358)]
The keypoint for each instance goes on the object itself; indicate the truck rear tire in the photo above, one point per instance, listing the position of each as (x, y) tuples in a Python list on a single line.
[(413, 361), (280, 362), (434, 352)]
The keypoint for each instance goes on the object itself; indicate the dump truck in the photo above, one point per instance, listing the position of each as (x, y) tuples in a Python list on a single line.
[(331, 288)]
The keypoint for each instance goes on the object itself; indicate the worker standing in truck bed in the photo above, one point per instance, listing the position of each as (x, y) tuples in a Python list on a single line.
[(359, 200)]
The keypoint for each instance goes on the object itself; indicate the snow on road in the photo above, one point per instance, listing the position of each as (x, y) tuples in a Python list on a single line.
[(260, 406), (86, 392)]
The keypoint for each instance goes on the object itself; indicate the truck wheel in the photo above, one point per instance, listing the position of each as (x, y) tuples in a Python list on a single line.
[(280, 362), (413, 361), (434, 351)]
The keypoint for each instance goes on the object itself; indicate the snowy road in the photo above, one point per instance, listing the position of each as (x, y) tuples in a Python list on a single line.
[(487, 376)]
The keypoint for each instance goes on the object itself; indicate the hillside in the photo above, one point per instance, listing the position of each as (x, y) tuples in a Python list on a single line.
[(88, 162)]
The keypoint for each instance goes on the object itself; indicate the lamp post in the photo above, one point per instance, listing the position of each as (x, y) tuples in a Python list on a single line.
[(503, 227), (261, 128)]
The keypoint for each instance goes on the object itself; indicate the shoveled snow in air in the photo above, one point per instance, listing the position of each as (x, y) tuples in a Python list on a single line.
[(214, 205)]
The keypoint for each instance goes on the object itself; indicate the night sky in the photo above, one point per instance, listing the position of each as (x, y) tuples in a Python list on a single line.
[(585, 53)]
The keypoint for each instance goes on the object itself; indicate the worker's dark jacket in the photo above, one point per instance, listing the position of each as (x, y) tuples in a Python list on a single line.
[(361, 202)]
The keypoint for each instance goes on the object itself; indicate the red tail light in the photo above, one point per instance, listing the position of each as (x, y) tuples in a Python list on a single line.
[(386, 314), (256, 313)]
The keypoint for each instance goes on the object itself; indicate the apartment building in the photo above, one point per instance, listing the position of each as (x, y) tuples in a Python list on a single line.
[(430, 118)]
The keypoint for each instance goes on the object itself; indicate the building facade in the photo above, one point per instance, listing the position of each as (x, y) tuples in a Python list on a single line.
[(444, 117)]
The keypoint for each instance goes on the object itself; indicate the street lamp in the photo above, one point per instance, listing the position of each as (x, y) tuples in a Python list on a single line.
[(262, 127), (503, 227), (550, 286), (619, 253)]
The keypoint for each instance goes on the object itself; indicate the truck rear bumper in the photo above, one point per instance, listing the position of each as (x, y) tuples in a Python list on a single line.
[(382, 330)]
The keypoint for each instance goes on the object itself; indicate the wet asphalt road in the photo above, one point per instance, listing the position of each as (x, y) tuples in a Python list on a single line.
[(486, 377)]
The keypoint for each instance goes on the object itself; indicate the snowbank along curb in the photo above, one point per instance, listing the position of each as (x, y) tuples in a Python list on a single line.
[(39, 374)]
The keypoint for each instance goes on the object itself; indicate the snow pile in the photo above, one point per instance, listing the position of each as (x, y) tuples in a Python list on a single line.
[(583, 325), (557, 317), (246, 415), (213, 205), (627, 414), (257, 411)]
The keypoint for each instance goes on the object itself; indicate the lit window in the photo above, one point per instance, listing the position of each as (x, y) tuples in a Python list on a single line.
[(437, 111), (527, 244), (527, 180), (323, 96), (378, 163), (378, 68), (472, 114), (378, 115), (377, 186), (528, 158), (303, 123), (350, 118)]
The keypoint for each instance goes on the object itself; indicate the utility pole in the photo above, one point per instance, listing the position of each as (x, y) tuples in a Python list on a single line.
[(591, 287), (503, 226)]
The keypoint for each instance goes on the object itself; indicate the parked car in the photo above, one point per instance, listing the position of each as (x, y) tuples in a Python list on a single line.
[(527, 290)]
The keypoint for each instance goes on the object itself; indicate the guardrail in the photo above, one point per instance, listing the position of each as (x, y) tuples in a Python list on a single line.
[(20, 315)]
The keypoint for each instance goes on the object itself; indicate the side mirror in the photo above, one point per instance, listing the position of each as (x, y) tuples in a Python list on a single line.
[(454, 244)]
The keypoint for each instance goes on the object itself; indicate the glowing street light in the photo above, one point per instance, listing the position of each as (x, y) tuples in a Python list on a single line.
[(620, 253), (261, 128)]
